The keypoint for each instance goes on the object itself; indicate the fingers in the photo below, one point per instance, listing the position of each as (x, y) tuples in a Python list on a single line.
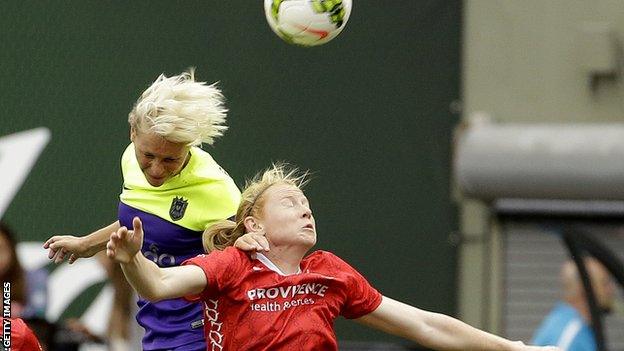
[(115, 241), (60, 246), (46, 245), (244, 245), (57, 250), (51, 253), (110, 251), (52, 249), (252, 242), (60, 256), (261, 242), (137, 225), (118, 236), (112, 243)]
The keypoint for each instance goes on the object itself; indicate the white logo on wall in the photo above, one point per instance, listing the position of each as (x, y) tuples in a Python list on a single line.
[(18, 154)]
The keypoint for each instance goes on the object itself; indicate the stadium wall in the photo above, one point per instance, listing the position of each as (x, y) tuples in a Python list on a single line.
[(370, 113)]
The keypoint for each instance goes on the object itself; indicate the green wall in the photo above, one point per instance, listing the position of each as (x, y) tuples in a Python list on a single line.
[(368, 113)]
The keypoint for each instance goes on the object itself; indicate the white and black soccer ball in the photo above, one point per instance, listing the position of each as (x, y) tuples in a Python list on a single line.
[(307, 22)]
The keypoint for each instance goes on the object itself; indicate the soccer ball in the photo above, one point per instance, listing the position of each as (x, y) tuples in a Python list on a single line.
[(307, 22)]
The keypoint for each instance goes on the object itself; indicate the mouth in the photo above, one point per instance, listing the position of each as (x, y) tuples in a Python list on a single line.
[(309, 226), (154, 180)]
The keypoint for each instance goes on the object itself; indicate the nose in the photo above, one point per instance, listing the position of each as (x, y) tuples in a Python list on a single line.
[(156, 169), (307, 212)]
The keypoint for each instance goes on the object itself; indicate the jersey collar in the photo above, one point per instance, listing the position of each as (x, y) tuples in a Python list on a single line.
[(270, 265)]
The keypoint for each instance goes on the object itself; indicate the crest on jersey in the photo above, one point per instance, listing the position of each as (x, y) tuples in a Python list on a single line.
[(178, 207)]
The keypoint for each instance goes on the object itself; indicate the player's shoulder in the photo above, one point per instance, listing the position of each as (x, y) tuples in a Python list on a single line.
[(202, 160), (230, 254), (322, 254), (128, 160), (204, 166), (128, 151), (234, 252), (330, 264), (128, 154), (201, 154), (325, 258)]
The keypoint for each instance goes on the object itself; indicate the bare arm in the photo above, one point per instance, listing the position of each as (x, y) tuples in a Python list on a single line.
[(61, 246), (149, 280), (437, 331)]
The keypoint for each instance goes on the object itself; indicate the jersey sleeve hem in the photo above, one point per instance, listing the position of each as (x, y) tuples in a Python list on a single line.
[(372, 307)]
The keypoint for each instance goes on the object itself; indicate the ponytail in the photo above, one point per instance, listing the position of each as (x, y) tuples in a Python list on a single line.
[(221, 235)]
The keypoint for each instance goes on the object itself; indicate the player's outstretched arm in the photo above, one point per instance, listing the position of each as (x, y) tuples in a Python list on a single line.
[(437, 331), (149, 280), (73, 247)]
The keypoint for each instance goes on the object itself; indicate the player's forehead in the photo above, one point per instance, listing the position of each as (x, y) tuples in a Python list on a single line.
[(283, 191), (158, 146)]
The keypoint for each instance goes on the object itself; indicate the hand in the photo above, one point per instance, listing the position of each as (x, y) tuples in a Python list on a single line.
[(124, 244), (255, 241), (62, 246), (523, 347), (78, 327)]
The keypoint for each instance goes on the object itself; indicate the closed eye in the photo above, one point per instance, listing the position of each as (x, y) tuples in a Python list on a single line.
[(287, 203)]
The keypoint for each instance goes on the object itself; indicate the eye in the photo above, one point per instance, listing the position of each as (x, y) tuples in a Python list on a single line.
[(169, 160), (150, 156), (287, 202)]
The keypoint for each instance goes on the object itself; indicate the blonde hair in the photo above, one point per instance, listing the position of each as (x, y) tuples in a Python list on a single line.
[(180, 110), (224, 233)]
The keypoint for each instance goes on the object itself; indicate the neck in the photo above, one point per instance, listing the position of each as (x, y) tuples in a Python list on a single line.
[(582, 307), (288, 260)]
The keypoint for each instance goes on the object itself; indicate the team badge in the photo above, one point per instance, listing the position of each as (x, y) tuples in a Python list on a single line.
[(178, 207)]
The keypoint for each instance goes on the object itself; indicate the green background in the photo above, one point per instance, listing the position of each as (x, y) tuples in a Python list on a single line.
[(369, 113)]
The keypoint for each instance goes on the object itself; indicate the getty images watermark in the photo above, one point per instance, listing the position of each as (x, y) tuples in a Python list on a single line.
[(6, 315)]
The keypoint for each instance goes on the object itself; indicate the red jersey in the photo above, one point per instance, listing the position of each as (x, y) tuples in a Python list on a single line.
[(22, 337), (251, 305)]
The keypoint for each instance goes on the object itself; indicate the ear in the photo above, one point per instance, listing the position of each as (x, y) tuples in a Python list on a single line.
[(251, 224), (133, 133)]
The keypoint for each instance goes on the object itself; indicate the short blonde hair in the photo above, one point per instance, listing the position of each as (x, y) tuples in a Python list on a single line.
[(224, 233), (180, 110)]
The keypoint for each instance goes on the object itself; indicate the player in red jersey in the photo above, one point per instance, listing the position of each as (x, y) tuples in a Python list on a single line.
[(22, 337), (281, 299)]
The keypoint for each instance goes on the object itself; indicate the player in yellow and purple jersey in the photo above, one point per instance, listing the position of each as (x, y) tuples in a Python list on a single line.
[(177, 190)]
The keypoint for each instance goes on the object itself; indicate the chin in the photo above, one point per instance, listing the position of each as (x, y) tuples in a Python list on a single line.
[(308, 239), (311, 241), (156, 183)]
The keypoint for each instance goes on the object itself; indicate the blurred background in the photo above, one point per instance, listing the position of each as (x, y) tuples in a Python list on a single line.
[(379, 115)]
